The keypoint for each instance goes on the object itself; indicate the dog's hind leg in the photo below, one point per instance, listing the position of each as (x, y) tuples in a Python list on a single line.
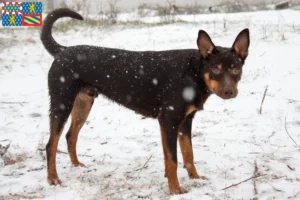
[(185, 141), (81, 109), (61, 103)]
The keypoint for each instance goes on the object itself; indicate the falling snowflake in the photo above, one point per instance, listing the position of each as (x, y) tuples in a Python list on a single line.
[(171, 107), (62, 79), (81, 57), (141, 72), (113, 56), (76, 75), (128, 98), (62, 106), (107, 76), (154, 81), (188, 94)]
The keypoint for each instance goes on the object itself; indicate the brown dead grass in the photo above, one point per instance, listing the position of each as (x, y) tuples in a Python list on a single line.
[(20, 196), (14, 159)]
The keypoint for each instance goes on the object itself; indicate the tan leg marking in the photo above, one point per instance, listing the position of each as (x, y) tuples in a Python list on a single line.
[(188, 157), (80, 112), (170, 167), (51, 150)]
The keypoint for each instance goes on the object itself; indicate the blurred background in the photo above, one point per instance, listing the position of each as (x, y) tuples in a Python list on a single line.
[(162, 7), (96, 6)]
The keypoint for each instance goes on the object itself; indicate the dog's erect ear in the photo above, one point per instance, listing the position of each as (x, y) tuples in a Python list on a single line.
[(241, 44), (205, 45)]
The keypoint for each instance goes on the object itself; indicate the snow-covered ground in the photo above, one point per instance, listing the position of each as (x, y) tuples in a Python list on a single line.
[(123, 151)]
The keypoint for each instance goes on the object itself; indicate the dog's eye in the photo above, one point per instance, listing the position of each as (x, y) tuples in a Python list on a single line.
[(216, 70), (235, 71)]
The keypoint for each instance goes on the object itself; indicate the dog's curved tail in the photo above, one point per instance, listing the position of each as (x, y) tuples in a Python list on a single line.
[(46, 34)]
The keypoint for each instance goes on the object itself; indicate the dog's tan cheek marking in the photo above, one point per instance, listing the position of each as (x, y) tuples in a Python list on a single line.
[(207, 80), (236, 85), (232, 65), (219, 66), (236, 88), (211, 84)]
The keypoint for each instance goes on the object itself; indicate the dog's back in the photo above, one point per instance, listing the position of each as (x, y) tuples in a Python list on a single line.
[(137, 80)]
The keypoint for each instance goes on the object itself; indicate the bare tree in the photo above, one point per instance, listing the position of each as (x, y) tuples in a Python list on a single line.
[(113, 11)]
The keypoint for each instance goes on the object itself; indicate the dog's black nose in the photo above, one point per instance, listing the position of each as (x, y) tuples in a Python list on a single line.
[(228, 93)]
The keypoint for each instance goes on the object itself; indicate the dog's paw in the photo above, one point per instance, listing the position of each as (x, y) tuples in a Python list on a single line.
[(79, 164), (203, 177), (178, 190), (194, 176), (54, 181)]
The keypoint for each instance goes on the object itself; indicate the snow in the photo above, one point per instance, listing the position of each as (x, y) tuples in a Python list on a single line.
[(76, 75), (171, 107), (154, 81), (62, 79), (123, 151), (188, 94)]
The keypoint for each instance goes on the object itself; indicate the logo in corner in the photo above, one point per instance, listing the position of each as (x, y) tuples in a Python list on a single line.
[(22, 13)]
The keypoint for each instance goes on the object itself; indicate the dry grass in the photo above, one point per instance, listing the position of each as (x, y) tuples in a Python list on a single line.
[(68, 25), (20, 196), (14, 159)]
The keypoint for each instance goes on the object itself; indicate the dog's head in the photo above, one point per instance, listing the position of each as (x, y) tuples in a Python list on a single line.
[(223, 66)]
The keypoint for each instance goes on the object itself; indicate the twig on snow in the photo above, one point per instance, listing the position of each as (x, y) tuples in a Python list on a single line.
[(296, 194), (110, 173), (262, 54), (255, 173), (144, 166), (276, 189), (236, 184), (289, 134), (291, 168), (59, 151), (263, 99)]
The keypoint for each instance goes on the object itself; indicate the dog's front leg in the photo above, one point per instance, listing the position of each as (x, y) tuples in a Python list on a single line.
[(185, 141), (169, 132)]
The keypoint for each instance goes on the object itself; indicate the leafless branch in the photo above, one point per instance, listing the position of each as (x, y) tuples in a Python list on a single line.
[(236, 184), (144, 165), (276, 189), (291, 168), (289, 134), (255, 173), (263, 99), (59, 151), (296, 194)]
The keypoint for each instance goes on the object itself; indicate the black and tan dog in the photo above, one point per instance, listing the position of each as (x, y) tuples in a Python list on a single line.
[(168, 85)]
